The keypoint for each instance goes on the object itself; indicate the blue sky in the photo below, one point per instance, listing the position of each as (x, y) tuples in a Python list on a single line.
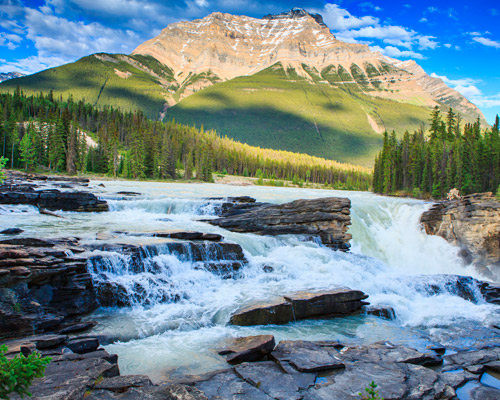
[(458, 41)]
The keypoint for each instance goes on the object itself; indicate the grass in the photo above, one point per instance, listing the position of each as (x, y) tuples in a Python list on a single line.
[(280, 110), (94, 80)]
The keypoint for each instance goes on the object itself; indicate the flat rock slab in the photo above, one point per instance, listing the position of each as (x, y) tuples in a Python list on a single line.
[(250, 348), (227, 385), (381, 352), (307, 356), (326, 218), (69, 377), (301, 305), (268, 377)]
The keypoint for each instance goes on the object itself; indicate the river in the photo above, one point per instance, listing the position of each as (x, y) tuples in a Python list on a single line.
[(180, 317)]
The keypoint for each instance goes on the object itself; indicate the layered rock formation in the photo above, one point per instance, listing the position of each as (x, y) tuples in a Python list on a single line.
[(327, 218), (472, 223), (302, 305), (43, 284)]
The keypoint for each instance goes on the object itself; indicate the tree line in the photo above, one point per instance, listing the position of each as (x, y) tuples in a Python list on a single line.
[(62, 135), (449, 156)]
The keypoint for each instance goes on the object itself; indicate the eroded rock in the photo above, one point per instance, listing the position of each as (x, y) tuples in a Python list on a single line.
[(326, 218), (250, 348)]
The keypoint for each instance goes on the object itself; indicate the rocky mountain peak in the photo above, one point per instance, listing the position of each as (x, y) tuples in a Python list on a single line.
[(295, 13), (223, 46)]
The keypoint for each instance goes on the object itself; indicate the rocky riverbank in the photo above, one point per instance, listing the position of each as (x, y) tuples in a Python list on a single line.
[(80, 369), (473, 223)]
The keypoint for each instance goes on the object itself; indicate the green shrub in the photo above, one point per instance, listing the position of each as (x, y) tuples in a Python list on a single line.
[(17, 374), (497, 194), (371, 393), (3, 161)]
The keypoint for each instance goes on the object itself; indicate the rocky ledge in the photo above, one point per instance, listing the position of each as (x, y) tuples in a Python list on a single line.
[(472, 223), (22, 188), (42, 284), (327, 218), (302, 305)]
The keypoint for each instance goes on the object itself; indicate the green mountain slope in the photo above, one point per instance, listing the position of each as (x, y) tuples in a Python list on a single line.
[(128, 82), (329, 115)]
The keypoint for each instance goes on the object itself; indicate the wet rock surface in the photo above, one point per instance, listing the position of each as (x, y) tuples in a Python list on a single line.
[(44, 283), (250, 348), (21, 188), (327, 218), (301, 305), (471, 222)]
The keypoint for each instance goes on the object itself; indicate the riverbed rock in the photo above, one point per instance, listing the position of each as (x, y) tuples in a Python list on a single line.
[(249, 348), (37, 296), (386, 312), (472, 223), (326, 218), (53, 199), (301, 305), (11, 231), (307, 356)]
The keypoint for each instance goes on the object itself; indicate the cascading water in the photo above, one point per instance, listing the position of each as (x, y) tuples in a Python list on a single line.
[(178, 307)]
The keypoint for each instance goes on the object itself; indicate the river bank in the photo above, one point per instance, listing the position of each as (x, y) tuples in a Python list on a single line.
[(177, 311)]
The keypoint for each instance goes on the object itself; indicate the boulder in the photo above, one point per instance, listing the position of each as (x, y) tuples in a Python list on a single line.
[(472, 223), (247, 349), (11, 231), (386, 312), (326, 218), (307, 356), (83, 345), (301, 305), (54, 199)]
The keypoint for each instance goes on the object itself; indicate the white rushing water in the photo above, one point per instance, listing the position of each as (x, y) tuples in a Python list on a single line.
[(180, 312)]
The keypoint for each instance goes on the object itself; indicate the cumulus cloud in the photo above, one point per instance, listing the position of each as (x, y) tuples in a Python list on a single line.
[(367, 5), (392, 51), (339, 19), (487, 42)]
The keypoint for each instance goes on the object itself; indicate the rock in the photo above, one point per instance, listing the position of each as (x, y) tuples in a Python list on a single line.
[(472, 222), (83, 345), (54, 199), (70, 376), (301, 305), (386, 312), (279, 312), (307, 356), (326, 218), (78, 327), (273, 381), (48, 341), (11, 231), (212, 237), (475, 357), (123, 383), (227, 385), (250, 348), (336, 302), (129, 193), (385, 352), (44, 285)]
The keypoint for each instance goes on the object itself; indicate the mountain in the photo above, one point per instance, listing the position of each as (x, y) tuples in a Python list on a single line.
[(4, 76), (283, 81)]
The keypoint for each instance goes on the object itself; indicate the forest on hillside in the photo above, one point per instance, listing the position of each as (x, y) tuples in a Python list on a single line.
[(449, 156), (41, 132)]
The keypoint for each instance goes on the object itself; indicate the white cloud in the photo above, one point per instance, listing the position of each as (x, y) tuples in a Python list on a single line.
[(447, 45), (32, 64), (392, 51), (339, 19), (487, 42), (423, 19), (432, 9), (426, 42), (369, 5)]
